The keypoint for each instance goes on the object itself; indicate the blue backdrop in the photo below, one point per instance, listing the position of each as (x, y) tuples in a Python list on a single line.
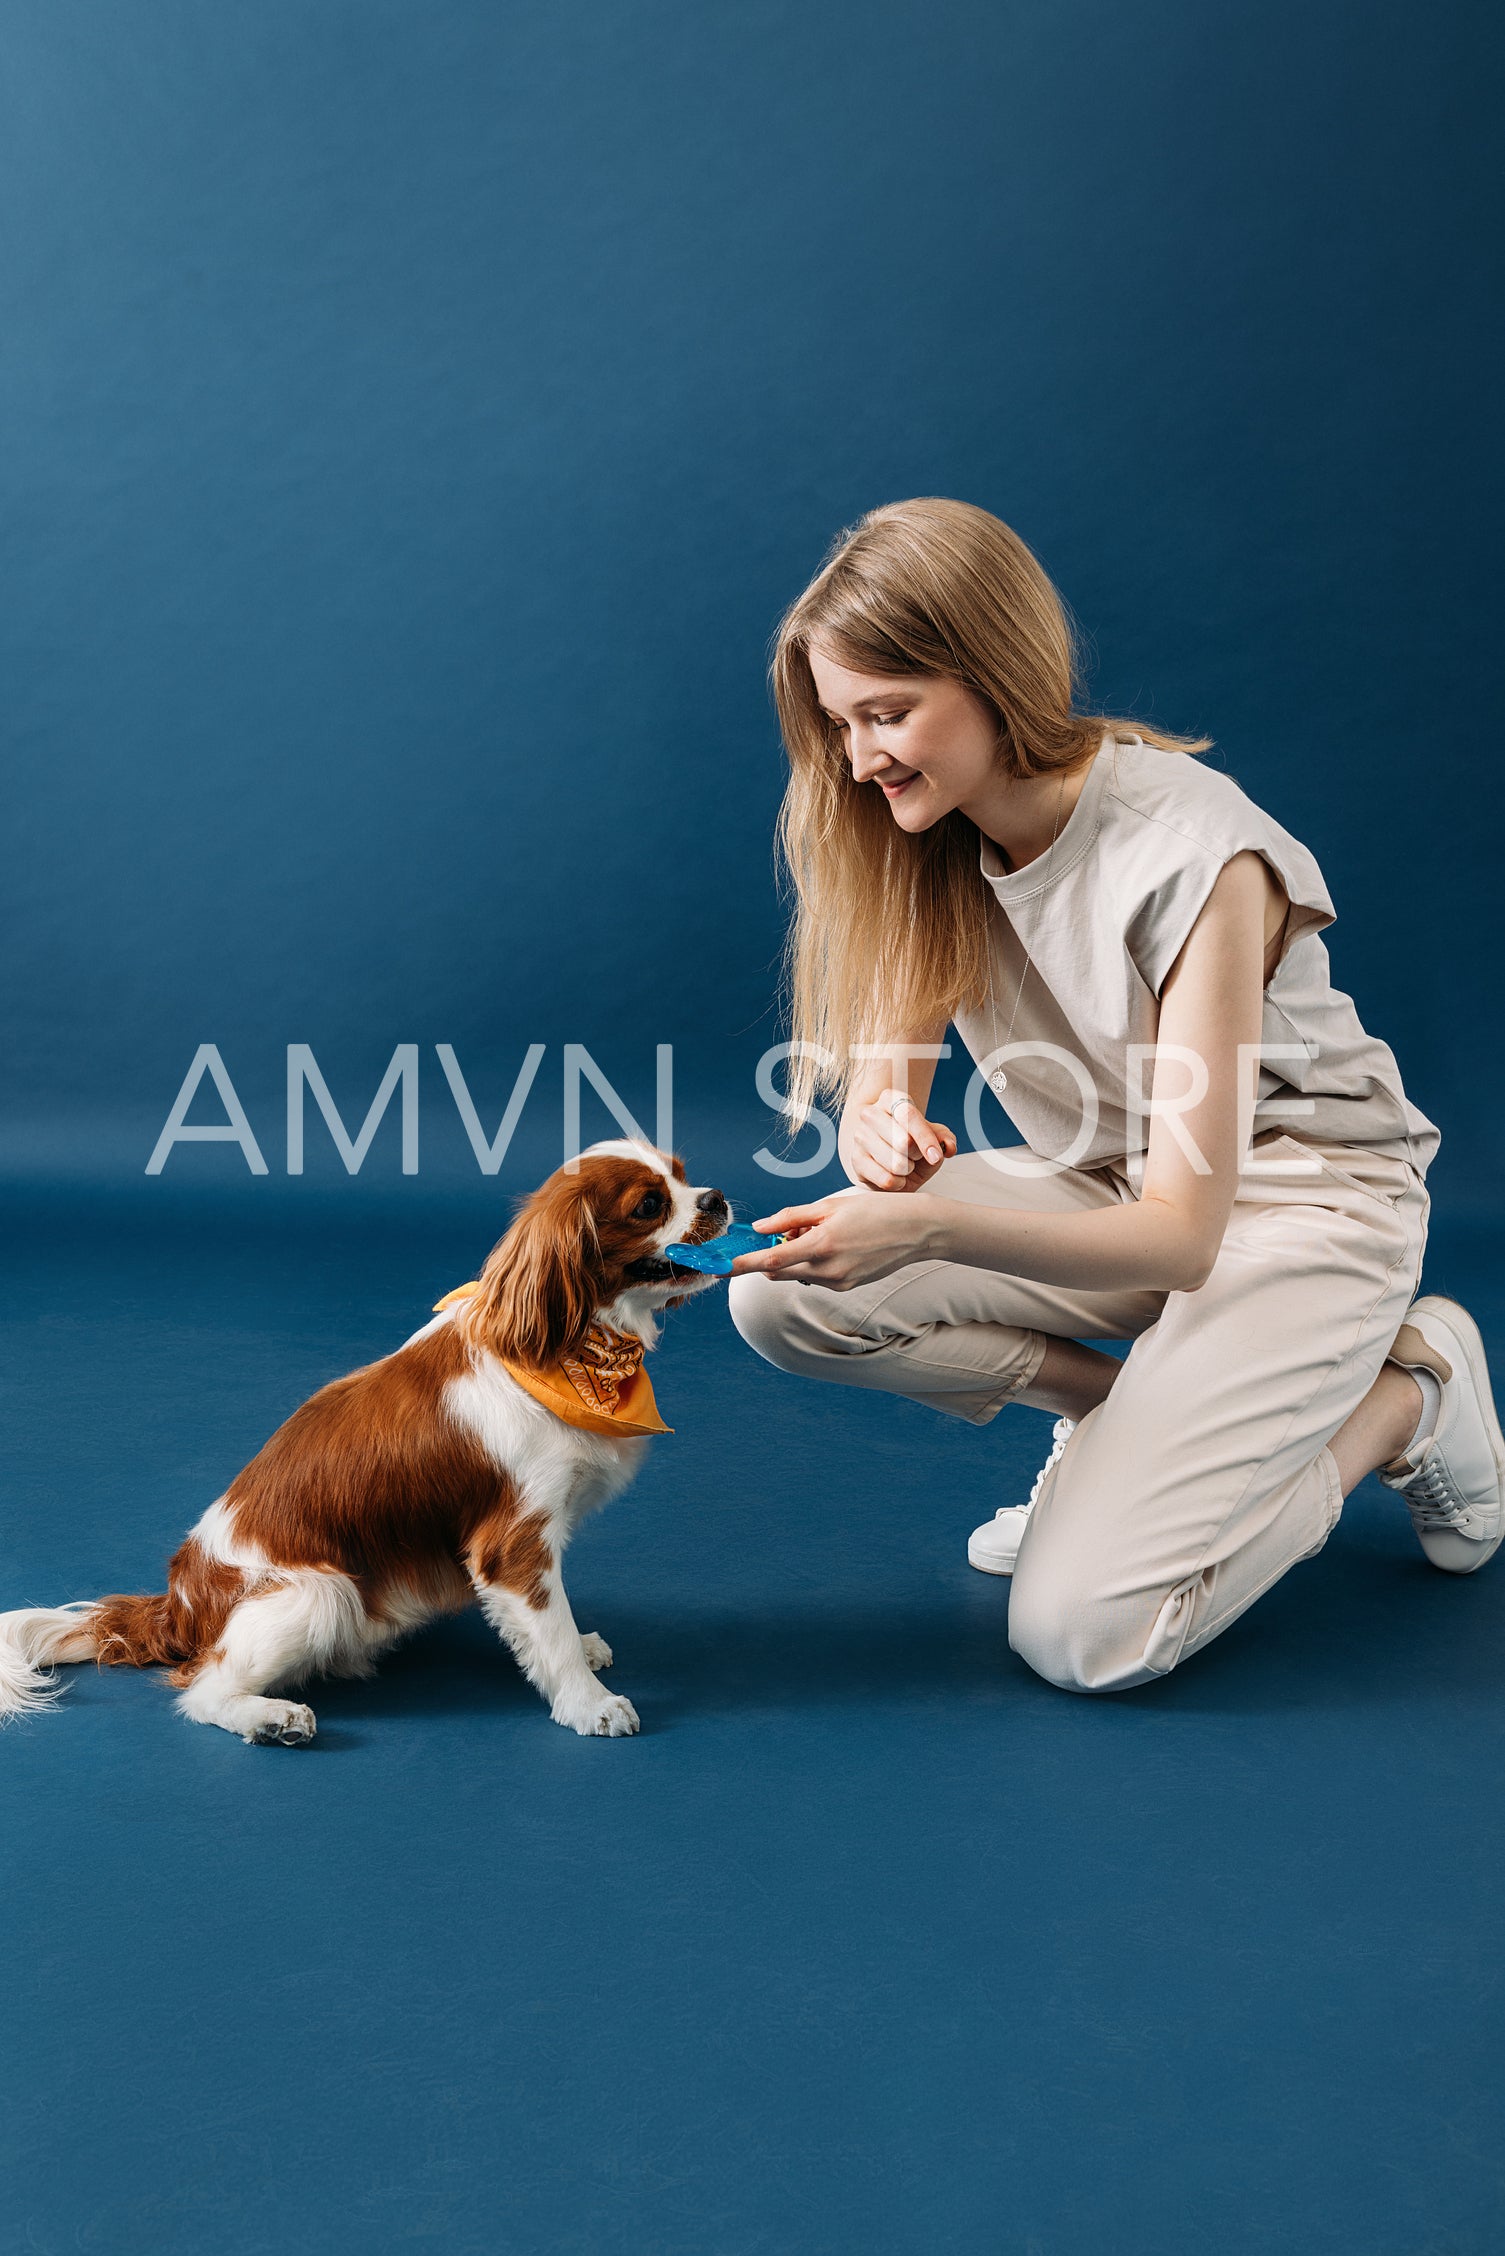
[(416, 418)]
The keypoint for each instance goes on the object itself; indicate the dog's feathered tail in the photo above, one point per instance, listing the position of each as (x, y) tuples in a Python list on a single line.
[(135, 1631), (30, 1642)]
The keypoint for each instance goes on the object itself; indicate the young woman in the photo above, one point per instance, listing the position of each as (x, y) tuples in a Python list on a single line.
[(1219, 1163)]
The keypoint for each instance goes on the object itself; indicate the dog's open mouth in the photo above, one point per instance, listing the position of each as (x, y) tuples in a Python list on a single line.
[(663, 1269), (658, 1269), (653, 1269), (711, 1218)]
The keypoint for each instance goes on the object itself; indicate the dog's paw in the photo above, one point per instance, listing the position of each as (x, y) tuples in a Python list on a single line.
[(597, 1651), (285, 1724), (606, 1717)]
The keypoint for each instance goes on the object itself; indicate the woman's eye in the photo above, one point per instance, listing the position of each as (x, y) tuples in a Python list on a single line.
[(889, 720)]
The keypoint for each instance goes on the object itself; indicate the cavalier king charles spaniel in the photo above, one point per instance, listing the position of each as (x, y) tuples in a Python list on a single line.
[(452, 1472)]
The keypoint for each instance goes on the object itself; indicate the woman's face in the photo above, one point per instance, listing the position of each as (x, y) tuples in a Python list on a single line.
[(929, 745)]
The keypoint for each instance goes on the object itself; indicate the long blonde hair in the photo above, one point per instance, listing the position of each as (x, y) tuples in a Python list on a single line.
[(888, 931)]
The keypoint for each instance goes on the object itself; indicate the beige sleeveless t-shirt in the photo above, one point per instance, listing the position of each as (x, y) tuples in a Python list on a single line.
[(1100, 920)]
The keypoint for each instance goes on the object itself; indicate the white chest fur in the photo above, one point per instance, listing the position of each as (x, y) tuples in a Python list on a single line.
[(558, 1468)]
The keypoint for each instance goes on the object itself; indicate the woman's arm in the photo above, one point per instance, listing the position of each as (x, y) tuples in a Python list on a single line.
[(1168, 1238)]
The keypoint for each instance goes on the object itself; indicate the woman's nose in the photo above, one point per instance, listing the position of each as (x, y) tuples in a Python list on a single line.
[(867, 760)]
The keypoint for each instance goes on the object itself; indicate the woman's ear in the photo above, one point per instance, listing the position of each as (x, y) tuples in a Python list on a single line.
[(542, 1284)]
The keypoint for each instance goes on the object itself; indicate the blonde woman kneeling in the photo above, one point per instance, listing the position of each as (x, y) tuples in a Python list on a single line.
[(1220, 1164)]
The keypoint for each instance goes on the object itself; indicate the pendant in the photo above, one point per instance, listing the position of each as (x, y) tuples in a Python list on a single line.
[(998, 1081)]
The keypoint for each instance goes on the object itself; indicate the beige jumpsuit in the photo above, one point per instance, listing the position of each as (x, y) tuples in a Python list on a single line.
[(1206, 1473)]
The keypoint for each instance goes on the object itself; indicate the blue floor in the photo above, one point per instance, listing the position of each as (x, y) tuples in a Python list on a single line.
[(870, 1943)]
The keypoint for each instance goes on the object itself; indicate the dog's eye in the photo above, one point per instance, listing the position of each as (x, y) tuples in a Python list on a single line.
[(648, 1207)]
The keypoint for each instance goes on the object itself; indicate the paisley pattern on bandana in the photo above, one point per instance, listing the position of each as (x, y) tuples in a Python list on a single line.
[(605, 1362)]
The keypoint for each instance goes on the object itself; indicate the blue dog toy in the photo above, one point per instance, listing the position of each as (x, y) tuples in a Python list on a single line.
[(715, 1257)]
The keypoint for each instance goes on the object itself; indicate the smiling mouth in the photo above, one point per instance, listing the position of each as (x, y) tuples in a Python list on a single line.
[(892, 790)]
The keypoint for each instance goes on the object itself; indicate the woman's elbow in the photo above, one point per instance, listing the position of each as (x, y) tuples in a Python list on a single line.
[(1173, 1273), (1187, 1254)]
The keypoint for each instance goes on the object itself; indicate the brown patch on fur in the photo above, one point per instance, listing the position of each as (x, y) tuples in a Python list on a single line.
[(514, 1553), (372, 1477), (185, 1620)]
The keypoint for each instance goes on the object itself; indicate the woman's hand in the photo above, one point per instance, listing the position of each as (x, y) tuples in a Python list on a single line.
[(891, 1144), (845, 1240)]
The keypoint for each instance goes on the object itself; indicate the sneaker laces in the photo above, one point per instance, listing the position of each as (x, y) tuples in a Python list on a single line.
[(1431, 1497), (1060, 1433)]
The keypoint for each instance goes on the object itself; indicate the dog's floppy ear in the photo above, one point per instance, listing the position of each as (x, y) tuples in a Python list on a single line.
[(543, 1283)]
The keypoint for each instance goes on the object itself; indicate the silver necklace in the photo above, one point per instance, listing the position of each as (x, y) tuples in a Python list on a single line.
[(998, 1080)]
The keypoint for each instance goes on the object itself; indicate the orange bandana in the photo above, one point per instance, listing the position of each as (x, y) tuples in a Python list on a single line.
[(602, 1388)]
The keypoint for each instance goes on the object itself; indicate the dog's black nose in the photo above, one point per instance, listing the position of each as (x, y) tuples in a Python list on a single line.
[(711, 1202)]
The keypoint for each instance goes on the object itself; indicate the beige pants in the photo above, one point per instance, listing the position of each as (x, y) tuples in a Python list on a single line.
[(1206, 1473)]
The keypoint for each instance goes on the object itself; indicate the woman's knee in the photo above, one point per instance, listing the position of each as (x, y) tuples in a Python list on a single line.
[(765, 1311), (1075, 1635)]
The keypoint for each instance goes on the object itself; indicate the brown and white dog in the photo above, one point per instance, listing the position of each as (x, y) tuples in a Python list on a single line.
[(427, 1481)]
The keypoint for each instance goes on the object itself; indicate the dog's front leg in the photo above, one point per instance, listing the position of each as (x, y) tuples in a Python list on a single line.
[(515, 1567)]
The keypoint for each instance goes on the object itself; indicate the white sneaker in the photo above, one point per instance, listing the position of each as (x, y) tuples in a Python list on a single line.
[(994, 1546), (1453, 1477)]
